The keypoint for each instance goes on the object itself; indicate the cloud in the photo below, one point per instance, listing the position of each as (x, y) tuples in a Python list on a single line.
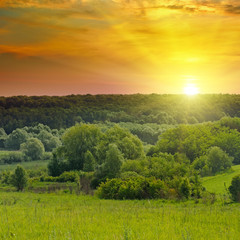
[(99, 9), (232, 9)]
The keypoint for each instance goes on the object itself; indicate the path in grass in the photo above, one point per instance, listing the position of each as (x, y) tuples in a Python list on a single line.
[(65, 216), (216, 183)]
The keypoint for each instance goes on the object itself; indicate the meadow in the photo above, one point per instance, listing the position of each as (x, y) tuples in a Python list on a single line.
[(220, 182), (66, 216), (26, 165)]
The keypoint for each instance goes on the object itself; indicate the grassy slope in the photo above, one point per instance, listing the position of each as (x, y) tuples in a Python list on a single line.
[(26, 165), (216, 183), (65, 216)]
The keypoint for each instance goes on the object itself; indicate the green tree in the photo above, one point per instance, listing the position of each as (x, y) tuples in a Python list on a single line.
[(57, 166), (129, 145), (77, 140), (113, 163), (185, 188), (3, 137), (49, 141), (218, 160), (234, 188), (89, 162), (19, 178), (33, 149), (16, 138)]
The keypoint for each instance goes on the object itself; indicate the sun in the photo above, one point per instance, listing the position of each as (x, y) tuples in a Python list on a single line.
[(191, 89)]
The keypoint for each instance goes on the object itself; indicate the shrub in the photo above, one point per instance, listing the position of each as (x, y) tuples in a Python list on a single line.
[(12, 157), (129, 174), (47, 156), (132, 188), (185, 188), (5, 177), (234, 189), (16, 138), (19, 178), (33, 173), (218, 160), (68, 177), (71, 176), (48, 179), (33, 149)]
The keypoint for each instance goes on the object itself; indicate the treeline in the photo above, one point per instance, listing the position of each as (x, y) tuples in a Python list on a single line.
[(34, 143), (109, 157), (64, 112), (174, 162)]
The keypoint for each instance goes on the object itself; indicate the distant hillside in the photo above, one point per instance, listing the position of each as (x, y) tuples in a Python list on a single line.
[(216, 183), (63, 112)]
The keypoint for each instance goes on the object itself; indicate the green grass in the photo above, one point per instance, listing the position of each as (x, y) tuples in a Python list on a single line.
[(5, 152), (216, 183), (27, 165), (65, 216)]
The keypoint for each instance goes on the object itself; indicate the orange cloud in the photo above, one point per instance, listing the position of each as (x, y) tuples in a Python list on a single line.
[(136, 46)]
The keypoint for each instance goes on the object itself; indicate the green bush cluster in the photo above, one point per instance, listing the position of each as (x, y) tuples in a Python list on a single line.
[(138, 187), (11, 157), (133, 188), (234, 189), (71, 176), (18, 178)]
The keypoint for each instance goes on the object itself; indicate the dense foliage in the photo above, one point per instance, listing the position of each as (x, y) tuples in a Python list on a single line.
[(33, 149), (170, 139), (234, 189), (19, 178), (20, 111), (86, 147)]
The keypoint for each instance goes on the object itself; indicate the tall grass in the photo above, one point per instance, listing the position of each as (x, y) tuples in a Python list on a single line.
[(65, 216)]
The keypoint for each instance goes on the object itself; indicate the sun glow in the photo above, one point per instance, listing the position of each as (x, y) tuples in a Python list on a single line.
[(191, 89)]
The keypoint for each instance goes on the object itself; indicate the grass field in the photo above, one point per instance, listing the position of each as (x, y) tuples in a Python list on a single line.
[(66, 216), (216, 183), (26, 165)]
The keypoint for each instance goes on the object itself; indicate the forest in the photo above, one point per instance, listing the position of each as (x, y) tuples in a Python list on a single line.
[(125, 146), (63, 112)]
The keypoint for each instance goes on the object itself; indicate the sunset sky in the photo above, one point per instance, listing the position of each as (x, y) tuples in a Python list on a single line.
[(62, 47)]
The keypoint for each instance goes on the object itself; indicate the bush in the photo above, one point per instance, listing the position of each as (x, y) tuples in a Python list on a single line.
[(33, 149), (12, 157), (16, 138), (132, 188), (5, 177), (34, 173), (234, 189), (185, 189), (19, 178), (71, 176), (218, 160), (47, 156), (48, 179), (68, 177)]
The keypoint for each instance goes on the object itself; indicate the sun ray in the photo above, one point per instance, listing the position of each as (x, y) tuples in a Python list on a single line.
[(191, 89)]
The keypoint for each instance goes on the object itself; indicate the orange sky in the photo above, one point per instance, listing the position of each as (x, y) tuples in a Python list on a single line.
[(65, 47)]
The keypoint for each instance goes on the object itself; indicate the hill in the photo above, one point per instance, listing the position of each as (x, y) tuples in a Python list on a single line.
[(217, 183)]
